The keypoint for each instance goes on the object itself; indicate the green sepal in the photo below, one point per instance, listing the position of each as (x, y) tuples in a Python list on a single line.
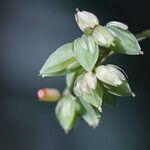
[(125, 42), (61, 62)]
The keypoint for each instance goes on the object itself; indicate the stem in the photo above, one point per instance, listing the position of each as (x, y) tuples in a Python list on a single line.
[(143, 35), (103, 55)]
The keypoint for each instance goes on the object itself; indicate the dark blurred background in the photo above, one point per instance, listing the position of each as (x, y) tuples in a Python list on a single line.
[(30, 30)]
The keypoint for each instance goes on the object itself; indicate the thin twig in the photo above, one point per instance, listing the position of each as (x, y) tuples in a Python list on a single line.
[(143, 35)]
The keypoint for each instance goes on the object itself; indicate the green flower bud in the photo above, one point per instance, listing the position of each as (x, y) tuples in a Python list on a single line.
[(104, 37), (86, 51), (87, 89), (114, 80), (109, 75), (125, 41), (66, 112), (86, 20), (89, 82), (117, 24), (48, 95)]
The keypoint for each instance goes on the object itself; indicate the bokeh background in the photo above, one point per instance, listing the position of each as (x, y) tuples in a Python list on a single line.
[(30, 30)]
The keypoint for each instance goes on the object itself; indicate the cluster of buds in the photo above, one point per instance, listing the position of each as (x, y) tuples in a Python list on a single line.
[(90, 83)]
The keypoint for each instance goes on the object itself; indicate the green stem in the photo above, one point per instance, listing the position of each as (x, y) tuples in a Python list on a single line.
[(143, 35), (103, 55)]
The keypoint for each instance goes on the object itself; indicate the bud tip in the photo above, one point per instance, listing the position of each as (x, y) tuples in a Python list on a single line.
[(40, 94), (141, 53), (132, 94), (100, 109), (77, 9)]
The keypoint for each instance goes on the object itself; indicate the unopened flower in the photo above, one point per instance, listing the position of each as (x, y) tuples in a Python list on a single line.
[(110, 75), (103, 36), (48, 95), (118, 24), (86, 20), (89, 82), (66, 112)]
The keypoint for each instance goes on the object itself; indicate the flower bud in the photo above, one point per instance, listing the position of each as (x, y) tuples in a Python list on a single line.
[(89, 82), (87, 89), (114, 80), (48, 95), (86, 20), (117, 24), (116, 70), (66, 112), (86, 51), (109, 75), (103, 36)]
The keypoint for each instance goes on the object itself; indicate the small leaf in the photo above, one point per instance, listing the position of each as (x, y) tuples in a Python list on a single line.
[(61, 62), (86, 51), (66, 112), (109, 98), (125, 41)]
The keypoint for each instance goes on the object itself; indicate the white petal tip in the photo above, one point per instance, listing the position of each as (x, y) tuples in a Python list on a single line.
[(94, 125), (100, 109), (77, 9), (141, 53), (132, 94)]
